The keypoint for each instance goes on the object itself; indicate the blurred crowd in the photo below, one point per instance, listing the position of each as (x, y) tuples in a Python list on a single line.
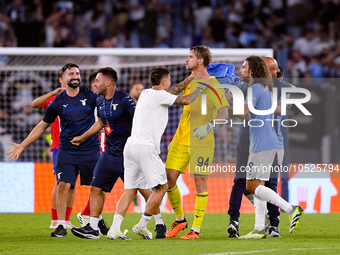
[(308, 29)]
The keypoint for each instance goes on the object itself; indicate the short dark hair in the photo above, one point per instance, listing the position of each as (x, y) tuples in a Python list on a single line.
[(204, 52), (65, 67), (92, 77), (109, 72), (157, 75)]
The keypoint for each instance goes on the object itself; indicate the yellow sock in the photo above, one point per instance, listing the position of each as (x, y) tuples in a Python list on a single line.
[(200, 206), (176, 201)]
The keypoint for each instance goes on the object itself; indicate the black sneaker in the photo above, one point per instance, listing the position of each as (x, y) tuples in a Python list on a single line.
[(60, 231), (86, 232), (233, 229), (160, 231), (103, 227)]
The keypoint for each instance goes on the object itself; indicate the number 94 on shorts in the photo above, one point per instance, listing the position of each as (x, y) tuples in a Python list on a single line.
[(201, 159)]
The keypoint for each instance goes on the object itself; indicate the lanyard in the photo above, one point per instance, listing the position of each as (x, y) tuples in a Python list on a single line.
[(110, 108)]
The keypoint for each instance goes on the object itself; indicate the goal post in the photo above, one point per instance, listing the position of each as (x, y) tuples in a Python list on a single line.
[(26, 73)]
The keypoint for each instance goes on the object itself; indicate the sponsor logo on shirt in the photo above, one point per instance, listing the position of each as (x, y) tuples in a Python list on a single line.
[(114, 106), (83, 102)]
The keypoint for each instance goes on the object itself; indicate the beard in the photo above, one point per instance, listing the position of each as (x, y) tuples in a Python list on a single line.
[(76, 85), (101, 92)]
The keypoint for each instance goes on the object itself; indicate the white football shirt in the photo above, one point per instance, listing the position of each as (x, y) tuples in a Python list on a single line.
[(151, 117)]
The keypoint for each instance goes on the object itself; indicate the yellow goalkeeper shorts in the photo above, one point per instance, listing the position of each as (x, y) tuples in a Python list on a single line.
[(199, 158)]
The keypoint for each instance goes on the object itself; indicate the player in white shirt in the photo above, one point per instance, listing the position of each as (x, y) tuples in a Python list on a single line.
[(143, 167)]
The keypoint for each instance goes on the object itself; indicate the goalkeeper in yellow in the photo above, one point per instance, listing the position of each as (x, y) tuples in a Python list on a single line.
[(194, 141)]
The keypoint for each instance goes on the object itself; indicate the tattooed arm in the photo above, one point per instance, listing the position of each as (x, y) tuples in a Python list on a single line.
[(175, 90), (191, 97)]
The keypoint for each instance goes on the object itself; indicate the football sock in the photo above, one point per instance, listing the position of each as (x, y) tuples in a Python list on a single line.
[(117, 221), (68, 213), (176, 202), (100, 216), (182, 219), (62, 222), (197, 230), (260, 209), (144, 221), (94, 223), (158, 219), (86, 210), (250, 198), (272, 197), (54, 214), (200, 206)]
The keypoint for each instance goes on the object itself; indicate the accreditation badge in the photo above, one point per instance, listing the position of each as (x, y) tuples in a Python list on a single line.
[(108, 129)]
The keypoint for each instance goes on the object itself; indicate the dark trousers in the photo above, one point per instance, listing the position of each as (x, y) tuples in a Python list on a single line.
[(240, 184)]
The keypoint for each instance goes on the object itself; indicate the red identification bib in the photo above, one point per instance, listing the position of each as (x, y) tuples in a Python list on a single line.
[(108, 129)]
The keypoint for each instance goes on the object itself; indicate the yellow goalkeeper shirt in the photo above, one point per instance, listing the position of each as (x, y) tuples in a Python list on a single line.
[(215, 98)]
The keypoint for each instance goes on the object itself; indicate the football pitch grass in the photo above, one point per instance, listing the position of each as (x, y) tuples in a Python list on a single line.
[(30, 234)]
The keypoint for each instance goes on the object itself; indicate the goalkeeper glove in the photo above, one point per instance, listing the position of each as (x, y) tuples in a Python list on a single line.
[(202, 131)]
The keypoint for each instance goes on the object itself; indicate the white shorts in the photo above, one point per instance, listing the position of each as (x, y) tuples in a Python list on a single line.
[(280, 155), (143, 168), (260, 164)]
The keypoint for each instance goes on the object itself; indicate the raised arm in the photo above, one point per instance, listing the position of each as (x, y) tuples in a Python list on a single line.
[(39, 101), (96, 127), (188, 99), (176, 89), (37, 131), (56, 16)]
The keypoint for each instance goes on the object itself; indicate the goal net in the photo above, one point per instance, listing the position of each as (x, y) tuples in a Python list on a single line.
[(26, 73)]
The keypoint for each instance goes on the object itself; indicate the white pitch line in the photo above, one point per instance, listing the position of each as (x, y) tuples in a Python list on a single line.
[(257, 251)]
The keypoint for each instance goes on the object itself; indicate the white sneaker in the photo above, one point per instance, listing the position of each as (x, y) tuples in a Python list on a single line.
[(118, 235), (69, 225), (146, 234), (83, 219), (54, 224)]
